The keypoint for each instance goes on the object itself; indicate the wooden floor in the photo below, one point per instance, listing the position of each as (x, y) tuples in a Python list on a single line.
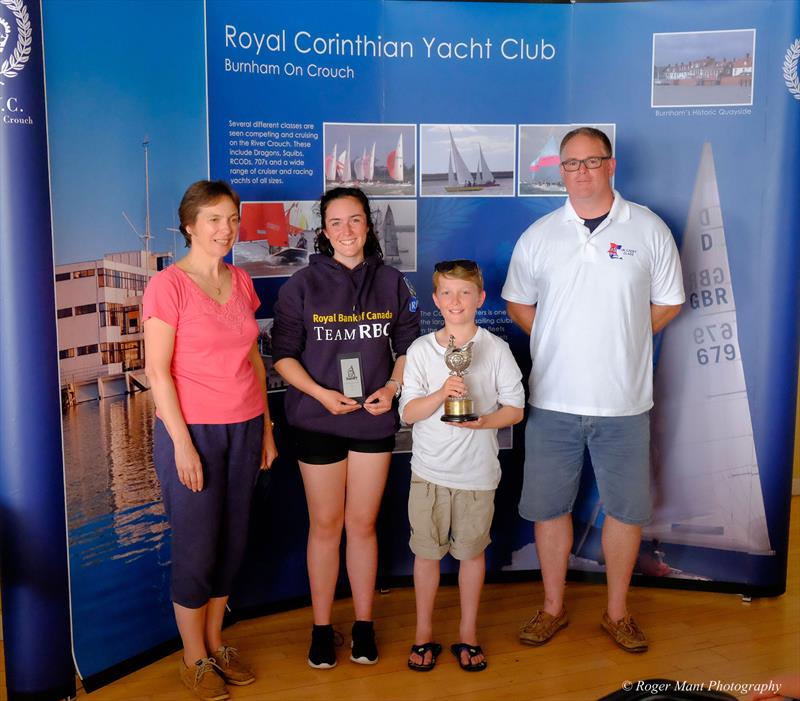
[(695, 636)]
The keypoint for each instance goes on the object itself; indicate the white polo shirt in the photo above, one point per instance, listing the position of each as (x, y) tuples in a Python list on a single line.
[(592, 343)]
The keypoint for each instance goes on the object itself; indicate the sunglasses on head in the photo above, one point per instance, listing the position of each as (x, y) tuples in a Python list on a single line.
[(445, 266)]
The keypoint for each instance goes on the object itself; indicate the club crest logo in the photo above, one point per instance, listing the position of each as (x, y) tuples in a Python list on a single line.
[(14, 59), (413, 302), (616, 251), (790, 69)]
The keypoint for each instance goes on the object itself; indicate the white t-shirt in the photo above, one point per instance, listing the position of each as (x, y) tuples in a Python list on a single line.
[(460, 458), (592, 343)]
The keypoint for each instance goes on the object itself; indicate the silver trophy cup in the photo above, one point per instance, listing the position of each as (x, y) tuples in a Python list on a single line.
[(458, 360)]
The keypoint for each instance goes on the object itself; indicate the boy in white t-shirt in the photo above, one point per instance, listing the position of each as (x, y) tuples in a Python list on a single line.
[(455, 469)]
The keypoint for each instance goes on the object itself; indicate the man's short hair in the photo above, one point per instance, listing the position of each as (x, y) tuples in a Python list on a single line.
[(590, 132)]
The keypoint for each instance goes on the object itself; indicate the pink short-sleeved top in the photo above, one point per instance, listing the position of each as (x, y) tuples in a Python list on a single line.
[(215, 382)]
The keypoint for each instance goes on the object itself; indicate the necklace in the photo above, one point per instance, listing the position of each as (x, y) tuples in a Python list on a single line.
[(205, 282)]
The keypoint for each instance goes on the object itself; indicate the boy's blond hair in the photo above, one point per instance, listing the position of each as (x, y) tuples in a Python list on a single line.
[(456, 271)]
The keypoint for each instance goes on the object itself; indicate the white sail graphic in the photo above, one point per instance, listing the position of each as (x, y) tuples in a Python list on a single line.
[(394, 162), (462, 174), (707, 486), (360, 166), (331, 164), (482, 174), (364, 166), (545, 167), (346, 174), (342, 167), (370, 170), (451, 177), (296, 217)]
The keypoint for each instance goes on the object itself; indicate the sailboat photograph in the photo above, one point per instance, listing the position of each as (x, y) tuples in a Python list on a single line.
[(446, 151), (539, 159), (378, 158), (275, 238), (396, 227)]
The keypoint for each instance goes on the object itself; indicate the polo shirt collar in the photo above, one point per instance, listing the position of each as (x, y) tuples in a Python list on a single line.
[(620, 211)]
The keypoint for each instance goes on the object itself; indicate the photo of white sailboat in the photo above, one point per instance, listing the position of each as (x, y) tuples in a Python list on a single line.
[(386, 165), (459, 177), (445, 150), (483, 175), (706, 468)]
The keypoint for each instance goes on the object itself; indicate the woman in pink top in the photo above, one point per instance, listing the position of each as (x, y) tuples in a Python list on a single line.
[(212, 431)]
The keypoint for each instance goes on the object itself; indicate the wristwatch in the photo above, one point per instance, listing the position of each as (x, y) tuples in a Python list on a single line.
[(398, 387)]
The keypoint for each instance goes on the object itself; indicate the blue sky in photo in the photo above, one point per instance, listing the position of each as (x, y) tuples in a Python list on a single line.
[(106, 91), (691, 46)]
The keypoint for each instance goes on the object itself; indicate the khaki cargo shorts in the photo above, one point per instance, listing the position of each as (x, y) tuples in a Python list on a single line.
[(448, 520)]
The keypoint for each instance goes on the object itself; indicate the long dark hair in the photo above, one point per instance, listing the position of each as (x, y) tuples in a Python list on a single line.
[(321, 242)]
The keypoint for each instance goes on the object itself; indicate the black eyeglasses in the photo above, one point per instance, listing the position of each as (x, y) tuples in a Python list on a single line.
[(592, 163), (445, 266)]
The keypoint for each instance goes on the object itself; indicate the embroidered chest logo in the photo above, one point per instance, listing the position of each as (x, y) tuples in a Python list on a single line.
[(616, 251)]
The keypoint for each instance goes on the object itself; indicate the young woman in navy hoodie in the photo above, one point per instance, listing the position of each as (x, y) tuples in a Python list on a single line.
[(342, 327)]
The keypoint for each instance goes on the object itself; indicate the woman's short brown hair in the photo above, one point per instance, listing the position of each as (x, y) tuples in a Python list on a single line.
[(201, 194)]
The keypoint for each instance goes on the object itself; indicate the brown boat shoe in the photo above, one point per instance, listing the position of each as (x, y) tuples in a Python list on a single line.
[(542, 627), (625, 633), (203, 679), (233, 670)]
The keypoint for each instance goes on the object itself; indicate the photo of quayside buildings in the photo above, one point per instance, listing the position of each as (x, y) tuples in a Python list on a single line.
[(707, 71), (704, 81), (99, 317)]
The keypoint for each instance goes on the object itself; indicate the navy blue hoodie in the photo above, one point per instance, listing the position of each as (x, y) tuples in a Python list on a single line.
[(327, 309)]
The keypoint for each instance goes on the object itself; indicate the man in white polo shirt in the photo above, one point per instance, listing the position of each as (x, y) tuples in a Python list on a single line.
[(599, 277)]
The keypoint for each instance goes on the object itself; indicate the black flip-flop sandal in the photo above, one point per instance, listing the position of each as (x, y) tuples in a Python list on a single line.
[(433, 648), (472, 650)]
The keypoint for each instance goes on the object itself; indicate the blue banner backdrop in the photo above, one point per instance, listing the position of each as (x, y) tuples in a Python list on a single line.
[(449, 115), (34, 563)]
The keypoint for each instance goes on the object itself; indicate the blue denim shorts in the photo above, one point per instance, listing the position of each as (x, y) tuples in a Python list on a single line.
[(619, 447)]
